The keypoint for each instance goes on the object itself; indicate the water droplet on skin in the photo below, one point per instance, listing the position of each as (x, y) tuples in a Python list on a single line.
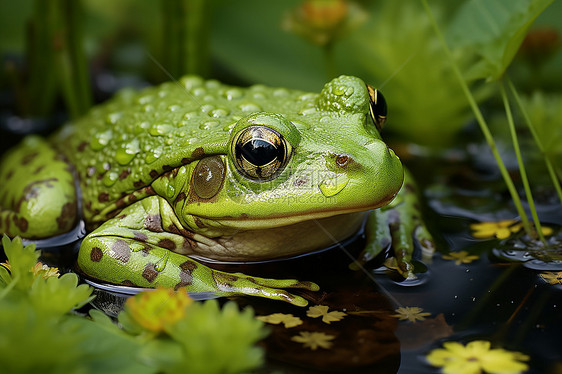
[(281, 92), (174, 108), (249, 107), (199, 92), (191, 82), (127, 152), (206, 108), (208, 125), (210, 99), (153, 155), (233, 93), (148, 108), (258, 96), (171, 190), (307, 97), (212, 84), (144, 99), (339, 90), (101, 139), (332, 186), (110, 178), (113, 118), (217, 113), (229, 127), (160, 129), (306, 112)]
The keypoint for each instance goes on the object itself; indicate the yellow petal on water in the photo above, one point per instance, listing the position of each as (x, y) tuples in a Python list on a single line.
[(485, 233), (547, 230), (506, 223), (503, 233), (483, 226)]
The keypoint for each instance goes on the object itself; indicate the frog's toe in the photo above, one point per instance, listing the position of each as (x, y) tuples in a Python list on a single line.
[(426, 241), (269, 288)]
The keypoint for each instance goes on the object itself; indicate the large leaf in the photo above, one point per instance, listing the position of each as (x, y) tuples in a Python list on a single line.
[(493, 30)]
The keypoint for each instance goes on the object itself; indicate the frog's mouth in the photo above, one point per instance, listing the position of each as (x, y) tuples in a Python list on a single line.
[(247, 222)]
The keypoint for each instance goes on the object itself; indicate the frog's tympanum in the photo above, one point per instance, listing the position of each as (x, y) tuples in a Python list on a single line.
[(196, 169)]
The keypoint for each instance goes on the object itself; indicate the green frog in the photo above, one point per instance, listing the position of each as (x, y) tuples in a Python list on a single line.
[(189, 170)]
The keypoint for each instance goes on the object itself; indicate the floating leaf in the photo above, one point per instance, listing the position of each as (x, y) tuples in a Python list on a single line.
[(286, 319), (322, 311), (552, 277), (461, 257), (410, 313), (313, 340)]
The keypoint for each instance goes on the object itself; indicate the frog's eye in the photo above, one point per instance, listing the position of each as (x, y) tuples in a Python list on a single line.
[(260, 153), (378, 107)]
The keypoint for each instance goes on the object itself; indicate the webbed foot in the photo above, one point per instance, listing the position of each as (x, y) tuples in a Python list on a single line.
[(397, 227)]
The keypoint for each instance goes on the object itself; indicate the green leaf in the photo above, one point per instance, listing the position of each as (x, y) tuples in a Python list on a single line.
[(492, 31), (59, 295), (21, 261)]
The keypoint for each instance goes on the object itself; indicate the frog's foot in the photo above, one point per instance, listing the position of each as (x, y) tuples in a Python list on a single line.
[(37, 193), (398, 226), (133, 249)]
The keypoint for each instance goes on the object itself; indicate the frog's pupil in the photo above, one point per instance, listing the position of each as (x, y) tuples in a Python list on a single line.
[(259, 152)]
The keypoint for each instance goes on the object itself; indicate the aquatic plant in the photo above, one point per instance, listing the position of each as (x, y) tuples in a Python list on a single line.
[(493, 46), (164, 330)]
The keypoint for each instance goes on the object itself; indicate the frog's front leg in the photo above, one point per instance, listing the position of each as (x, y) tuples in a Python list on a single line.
[(397, 226), (137, 247)]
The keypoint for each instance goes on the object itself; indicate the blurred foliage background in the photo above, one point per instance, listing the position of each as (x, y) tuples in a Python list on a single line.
[(71, 49)]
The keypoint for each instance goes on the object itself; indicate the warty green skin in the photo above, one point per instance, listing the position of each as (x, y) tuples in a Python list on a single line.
[(158, 183)]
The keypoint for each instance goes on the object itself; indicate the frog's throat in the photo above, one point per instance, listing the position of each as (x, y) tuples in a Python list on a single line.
[(280, 242)]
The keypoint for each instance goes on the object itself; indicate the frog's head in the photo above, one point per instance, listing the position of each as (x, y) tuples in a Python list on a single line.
[(321, 158)]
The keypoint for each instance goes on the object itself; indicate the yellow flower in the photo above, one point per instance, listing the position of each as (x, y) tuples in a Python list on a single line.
[(158, 308), (314, 340), (461, 257), (287, 319), (39, 269), (501, 230), (552, 277), (322, 311), (44, 271), (412, 313), (476, 357)]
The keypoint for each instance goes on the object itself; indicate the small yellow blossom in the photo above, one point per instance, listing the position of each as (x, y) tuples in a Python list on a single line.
[(158, 308), (410, 313), (501, 229), (461, 257), (476, 357), (552, 277), (286, 319), (322, 311), (39, 269), (44, 271), (314, 340)]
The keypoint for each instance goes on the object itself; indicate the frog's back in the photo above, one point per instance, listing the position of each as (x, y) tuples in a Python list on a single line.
[(126, 143)]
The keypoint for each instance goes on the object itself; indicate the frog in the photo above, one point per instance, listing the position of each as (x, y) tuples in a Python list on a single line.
[(169, 177)]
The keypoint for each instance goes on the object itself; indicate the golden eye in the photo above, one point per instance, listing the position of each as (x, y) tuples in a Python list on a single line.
[(377, 105), (342, 160), (260, 153)]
